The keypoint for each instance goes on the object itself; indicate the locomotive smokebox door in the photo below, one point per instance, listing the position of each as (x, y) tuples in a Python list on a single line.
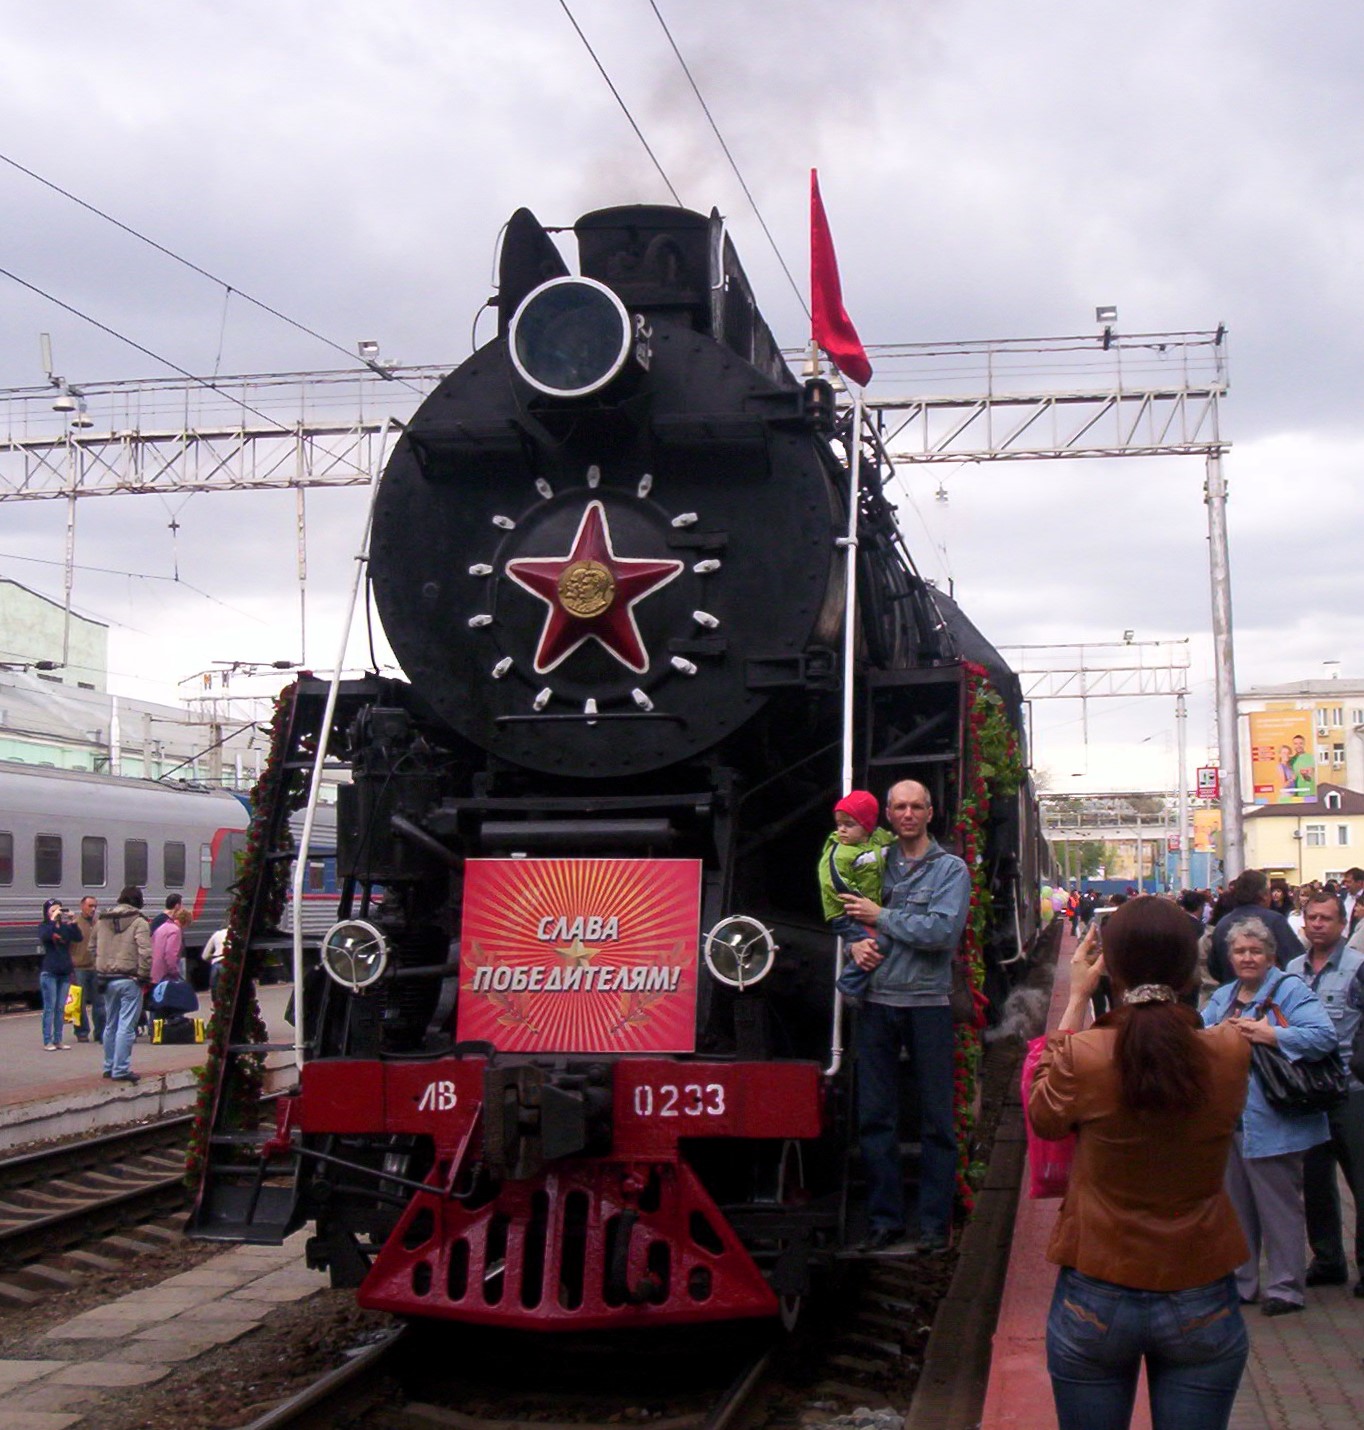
[(599, 526)]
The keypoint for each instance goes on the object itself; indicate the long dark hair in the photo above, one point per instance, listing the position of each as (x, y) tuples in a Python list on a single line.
[(1162, 1067)]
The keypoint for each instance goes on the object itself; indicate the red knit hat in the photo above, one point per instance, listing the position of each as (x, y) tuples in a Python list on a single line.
[(863, 806)]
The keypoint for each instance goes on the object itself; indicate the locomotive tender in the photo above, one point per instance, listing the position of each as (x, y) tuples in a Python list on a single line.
[(571, 1058)]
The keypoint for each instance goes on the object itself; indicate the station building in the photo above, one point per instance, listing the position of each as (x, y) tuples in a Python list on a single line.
[(56, 709)]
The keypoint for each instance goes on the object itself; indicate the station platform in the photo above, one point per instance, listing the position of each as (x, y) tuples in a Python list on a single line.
[(47, 1095), (1304, 1370)]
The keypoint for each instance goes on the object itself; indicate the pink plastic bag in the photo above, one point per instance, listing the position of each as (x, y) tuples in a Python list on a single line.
[(1049, 1162)]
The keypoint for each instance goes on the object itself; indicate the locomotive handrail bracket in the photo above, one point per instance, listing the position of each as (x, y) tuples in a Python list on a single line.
[(803, 670)]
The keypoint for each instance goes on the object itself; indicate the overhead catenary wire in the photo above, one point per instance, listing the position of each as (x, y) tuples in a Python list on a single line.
[(195, 268), (145, 351), (625, 109), (710, 118), (136, 576)]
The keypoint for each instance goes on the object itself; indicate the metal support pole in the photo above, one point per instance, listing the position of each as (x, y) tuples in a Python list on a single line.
[(301, 523), (1182, 740), (1140, 856), (1228, 740), (70, 563)]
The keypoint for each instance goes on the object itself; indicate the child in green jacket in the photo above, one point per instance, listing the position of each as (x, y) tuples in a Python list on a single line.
[(851, 862)]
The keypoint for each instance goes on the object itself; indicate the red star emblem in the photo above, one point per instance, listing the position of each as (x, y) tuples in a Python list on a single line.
[(591, 594)]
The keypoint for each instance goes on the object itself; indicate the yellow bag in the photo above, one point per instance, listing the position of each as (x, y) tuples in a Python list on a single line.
[(178, 1030), (73, 1005)]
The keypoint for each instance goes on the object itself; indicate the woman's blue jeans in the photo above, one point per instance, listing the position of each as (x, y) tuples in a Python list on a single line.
[(1194, 1343), (53, 987)]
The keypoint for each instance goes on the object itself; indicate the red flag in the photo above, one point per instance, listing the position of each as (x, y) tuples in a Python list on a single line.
[(830, 325)]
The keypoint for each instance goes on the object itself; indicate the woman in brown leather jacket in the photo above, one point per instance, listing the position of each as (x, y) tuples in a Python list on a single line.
[(1147, 1239)]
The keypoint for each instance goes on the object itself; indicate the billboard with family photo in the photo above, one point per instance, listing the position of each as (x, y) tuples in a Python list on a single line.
[(1283, 757)]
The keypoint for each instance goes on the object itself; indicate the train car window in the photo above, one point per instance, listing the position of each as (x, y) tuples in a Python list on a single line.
[(135, 863), (205, 865), (47, 860), (174, 861), (317, 876), (94, 862), (6, 858)]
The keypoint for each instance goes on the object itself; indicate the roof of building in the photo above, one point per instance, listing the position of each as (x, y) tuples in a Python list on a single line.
[(47, 600), (1334, 689), (1351, 802)]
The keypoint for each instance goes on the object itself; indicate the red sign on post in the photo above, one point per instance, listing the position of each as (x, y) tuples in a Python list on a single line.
[(1209, 782), (580, 955)]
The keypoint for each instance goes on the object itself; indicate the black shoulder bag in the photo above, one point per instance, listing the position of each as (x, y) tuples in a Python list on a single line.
[(1298, 1088)]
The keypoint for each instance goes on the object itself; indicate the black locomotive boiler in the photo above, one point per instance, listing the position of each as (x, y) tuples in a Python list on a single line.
[(571, 1057)]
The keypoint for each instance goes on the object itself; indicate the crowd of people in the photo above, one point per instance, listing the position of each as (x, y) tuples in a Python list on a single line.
[(1189, 1176), (1196, 1191), (116, 958)]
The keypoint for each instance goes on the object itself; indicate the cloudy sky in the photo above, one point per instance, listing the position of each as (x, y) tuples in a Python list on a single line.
[(990, 170)]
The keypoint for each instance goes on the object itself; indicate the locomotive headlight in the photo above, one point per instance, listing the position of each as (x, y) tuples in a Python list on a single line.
[(354, 953), (740, 951), (570, 337)]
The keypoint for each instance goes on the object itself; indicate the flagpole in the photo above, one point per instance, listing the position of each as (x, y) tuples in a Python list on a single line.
[(849, 544)]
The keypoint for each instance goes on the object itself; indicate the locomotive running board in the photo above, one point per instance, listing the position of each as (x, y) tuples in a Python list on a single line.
[(590, 1245)]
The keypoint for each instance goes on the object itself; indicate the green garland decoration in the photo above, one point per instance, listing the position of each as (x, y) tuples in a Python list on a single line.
[(241, 1111), (992, 767)]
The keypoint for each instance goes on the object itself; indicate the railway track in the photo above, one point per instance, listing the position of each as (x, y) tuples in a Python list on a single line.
[(58, 1197), (369, 1392)]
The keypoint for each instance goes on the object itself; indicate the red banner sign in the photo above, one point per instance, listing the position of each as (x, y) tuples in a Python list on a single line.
[(580, 955)]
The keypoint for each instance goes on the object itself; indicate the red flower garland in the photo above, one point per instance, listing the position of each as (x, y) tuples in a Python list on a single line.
[(243, 1090), (991, 766)]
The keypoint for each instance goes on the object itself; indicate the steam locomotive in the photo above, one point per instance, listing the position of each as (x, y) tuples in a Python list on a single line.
[(571, 1057)]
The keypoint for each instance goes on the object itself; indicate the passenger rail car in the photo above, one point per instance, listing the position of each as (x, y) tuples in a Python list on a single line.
[(571, 1057), (68, 833)]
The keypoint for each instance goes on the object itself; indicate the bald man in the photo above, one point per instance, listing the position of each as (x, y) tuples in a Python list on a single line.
[(926, 896)]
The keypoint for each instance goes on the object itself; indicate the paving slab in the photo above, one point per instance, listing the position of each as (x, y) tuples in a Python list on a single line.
[(221, 1333), (214, 1275), (45, 1396), (109, 1374), (276, 1295), (22, 1372), (165, 1352)]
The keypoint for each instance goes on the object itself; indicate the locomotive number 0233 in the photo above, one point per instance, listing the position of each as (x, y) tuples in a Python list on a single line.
[(670, 1099)]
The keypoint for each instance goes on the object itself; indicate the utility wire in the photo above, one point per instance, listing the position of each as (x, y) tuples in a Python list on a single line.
[(208, 749), (135, 576), (194, 267), (563, 4), (753, 203), (147, 352)]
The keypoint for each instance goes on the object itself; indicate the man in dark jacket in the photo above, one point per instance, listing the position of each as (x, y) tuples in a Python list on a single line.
[(83, 973), (1249, 893), (123, 962)]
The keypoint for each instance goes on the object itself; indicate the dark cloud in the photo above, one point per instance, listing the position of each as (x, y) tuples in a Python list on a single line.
[(990, 170)]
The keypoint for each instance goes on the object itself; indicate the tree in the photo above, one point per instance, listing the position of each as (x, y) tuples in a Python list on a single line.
[(1085, 857)]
